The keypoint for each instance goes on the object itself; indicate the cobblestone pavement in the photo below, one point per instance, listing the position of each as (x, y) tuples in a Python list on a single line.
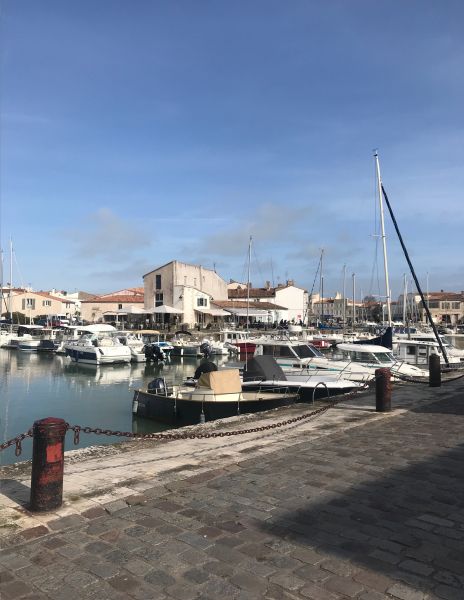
[(372, 512)]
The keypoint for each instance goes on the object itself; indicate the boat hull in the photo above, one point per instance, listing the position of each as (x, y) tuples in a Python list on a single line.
[(170, 410), (99, 357)]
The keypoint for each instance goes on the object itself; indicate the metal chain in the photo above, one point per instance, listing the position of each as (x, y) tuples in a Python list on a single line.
[(77, 429), (215, 434), (17, 441)]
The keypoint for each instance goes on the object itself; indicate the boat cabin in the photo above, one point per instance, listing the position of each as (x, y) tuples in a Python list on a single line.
[(368, 354)]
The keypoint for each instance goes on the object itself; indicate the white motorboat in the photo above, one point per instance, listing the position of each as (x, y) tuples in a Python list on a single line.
[(264, 373), (356, 362), (418, 352), (99, 349), (135, 344)]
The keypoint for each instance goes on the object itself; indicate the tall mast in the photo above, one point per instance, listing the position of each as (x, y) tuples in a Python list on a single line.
[(405, 292), (354, 299), (248, 285), (344, 295), (10, 299), (322, 289), (384, 243)]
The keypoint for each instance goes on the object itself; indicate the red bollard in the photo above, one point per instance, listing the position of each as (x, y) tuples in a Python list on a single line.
[(47, 464), (382, 390)]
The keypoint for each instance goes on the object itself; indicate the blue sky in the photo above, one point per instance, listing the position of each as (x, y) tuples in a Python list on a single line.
[(135, 133)]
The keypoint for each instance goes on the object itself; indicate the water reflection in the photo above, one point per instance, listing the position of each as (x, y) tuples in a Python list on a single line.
[(35, 385)]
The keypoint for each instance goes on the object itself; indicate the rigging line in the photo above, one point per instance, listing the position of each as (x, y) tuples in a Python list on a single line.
[(413, 273), (315, 277)]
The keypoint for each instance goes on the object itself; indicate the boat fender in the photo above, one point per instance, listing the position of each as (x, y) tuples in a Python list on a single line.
[(135, 404)]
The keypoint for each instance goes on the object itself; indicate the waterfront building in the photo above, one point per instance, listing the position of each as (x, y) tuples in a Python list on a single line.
[(114, 307), (188, 291), (34, 304), (446, 308), (265, 313), (286, 298)]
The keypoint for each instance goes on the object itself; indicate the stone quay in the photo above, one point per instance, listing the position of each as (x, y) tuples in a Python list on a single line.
[(351, 504)]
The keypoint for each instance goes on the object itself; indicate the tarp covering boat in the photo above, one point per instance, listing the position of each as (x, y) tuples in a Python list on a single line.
[(385, 340), (263, 367)]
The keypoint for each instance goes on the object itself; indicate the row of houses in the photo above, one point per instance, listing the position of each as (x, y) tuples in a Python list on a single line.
[(179, 293)]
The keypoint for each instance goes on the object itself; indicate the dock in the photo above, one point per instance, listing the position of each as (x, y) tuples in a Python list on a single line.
[(349, 504)]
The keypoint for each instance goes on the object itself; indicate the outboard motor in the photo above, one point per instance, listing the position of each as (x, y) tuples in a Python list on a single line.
[(206, 366), (205, 349), (157, 386), (158, 354)]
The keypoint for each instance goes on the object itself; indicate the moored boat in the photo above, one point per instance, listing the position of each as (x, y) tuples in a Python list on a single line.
[(217, 395)]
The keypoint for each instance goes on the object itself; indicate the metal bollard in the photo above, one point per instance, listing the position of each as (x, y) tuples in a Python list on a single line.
[(434, 371), (382, 390), (47, 464)]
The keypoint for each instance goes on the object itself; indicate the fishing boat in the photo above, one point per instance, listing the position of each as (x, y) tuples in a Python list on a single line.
[(216, 395)]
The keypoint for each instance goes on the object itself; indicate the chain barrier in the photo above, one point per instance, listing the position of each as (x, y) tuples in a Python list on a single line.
[(17, 441), (214, 434), (78, 429)]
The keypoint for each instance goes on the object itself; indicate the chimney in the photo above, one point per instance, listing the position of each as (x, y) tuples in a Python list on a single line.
[(290, 282), (268, 285)]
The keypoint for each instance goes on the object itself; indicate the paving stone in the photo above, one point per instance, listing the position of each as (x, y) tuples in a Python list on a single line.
[(343, 585), (249, 582), (124, 583), (34, 532), (288, 581), (314, 592), (417, 567), (403, 592), (448, 593)]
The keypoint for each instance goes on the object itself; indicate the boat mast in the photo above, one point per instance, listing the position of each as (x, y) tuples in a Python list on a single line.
[(384, 243), (344, 295), (405, 290), (248, 285), (354, 299), (10, 299), (322, 290)]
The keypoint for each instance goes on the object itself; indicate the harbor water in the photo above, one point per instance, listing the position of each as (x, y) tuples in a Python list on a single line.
[(38, 385)]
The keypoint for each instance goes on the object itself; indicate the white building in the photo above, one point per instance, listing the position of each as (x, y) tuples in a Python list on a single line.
[(186, 288), (289, 296)]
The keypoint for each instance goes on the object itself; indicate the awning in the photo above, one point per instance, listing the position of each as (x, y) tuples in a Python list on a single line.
[(134, 310), (165, 309), (251, 312), (214, 312)]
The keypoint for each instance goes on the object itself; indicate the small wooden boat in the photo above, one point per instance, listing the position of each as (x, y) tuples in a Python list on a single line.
[(216, 395)]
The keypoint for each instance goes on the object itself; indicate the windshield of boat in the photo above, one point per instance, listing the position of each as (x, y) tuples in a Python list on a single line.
[(305, 351), (385, 357)]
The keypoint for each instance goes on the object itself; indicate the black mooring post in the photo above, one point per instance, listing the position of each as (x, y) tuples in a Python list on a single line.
[(434, 370), (382, 390), (47, 464)]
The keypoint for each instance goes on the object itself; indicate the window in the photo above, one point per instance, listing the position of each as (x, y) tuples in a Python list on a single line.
[(119, 306), (28, 303), (433, 304), (445, 305), (456, 305), (202, 302), (46, 302), (158, 282), (159, 299)]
